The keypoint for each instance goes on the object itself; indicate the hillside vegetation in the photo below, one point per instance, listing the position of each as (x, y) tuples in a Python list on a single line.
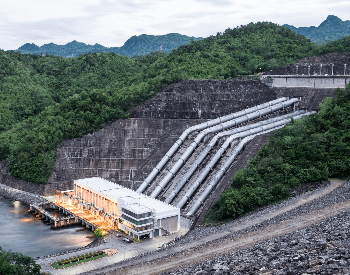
[(67, 98), (307, 150), (341, 45), (134, 46)]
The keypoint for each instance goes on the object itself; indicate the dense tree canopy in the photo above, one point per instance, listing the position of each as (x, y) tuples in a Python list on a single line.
[(17, 263), (333, 28)]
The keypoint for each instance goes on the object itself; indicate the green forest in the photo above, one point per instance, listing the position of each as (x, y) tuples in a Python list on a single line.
[(47, 99), (311, 149)]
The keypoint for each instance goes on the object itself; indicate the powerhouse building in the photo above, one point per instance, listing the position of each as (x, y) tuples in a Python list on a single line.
[(136, 214)]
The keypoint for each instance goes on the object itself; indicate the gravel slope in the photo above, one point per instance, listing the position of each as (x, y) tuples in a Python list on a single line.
[(203, 249)]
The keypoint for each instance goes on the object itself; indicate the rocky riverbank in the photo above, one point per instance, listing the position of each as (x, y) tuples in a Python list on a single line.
[(22, 196)]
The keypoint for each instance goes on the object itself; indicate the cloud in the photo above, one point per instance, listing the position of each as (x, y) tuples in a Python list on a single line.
[(60, 30), (112, 22), (219, 3)]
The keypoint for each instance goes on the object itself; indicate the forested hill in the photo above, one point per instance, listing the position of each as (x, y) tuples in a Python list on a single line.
[(136, 45), (333, 28), (47, 99)]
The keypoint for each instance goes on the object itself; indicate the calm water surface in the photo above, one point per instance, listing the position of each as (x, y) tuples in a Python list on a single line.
[(22, 232)]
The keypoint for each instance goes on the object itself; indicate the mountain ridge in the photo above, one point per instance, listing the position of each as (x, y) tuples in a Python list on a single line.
[(331, 29), (134, 46)]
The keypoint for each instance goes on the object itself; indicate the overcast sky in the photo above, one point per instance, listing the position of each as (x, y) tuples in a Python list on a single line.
[(111, 22)]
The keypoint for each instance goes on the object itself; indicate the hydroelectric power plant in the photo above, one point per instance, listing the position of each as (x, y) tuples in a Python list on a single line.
[(171, 161)]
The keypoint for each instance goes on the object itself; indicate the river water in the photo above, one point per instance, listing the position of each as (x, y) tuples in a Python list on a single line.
[(22, 232)]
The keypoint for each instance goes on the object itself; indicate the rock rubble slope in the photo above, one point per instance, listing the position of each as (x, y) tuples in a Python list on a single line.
[(308, 234)]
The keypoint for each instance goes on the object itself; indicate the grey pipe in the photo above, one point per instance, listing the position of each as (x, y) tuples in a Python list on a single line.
[(223, 148), (227, 164), (208, 148), (221, 172), (214, 129), (199, 127)]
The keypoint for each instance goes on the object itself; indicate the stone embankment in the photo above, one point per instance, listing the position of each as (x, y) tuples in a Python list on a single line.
[(22, 196), (93, 244), (307, 234)]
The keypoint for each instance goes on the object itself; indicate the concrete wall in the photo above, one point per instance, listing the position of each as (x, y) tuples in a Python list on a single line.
[(204, 99), (306, 81), (170, 223)]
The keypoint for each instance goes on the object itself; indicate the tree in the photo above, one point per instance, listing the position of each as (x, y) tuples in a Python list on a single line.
[(17, 263), (99, 233)]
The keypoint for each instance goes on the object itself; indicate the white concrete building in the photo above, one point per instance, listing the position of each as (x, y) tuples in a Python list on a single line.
[(136, 214)]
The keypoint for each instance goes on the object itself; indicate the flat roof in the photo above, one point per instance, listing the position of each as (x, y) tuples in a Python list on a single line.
[(136, 202)]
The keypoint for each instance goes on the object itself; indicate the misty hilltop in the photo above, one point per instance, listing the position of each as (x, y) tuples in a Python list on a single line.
[(134, 46), (333, 28)]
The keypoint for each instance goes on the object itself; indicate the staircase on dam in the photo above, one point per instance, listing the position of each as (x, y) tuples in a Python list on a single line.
[(214, 150)]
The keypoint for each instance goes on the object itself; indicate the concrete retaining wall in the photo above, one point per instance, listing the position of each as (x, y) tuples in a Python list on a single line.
[(204, 99), (319, 81)]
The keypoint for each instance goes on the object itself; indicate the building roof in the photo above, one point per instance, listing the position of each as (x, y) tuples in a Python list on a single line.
[(135, 202)]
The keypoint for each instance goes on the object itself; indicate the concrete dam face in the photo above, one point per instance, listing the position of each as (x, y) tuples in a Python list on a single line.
[(128, 151)]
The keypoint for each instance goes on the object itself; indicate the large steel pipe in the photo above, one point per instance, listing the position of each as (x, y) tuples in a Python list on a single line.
[(200, 127), (223, 148), (208, 148), (215, 129), (227, 164), (220, 173)]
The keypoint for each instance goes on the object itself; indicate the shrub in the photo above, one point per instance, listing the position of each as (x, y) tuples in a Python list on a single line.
[(99, 233)]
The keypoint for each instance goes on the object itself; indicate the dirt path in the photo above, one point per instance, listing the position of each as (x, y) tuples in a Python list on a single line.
[(213, 245), (203, 253), (315, 195)]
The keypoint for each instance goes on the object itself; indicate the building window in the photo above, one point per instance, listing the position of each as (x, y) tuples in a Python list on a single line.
[(137, 216), (139, 229), (135, 221)]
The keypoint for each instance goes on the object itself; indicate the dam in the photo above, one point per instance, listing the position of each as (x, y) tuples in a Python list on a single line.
[(126, 152)]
